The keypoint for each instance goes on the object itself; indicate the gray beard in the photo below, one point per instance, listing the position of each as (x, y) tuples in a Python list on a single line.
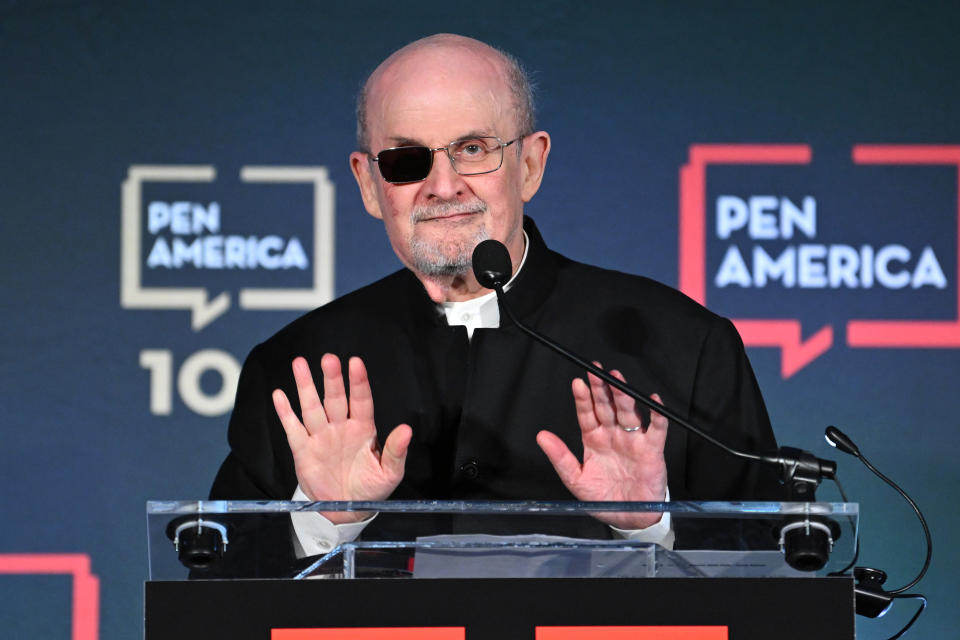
[(448, 258)]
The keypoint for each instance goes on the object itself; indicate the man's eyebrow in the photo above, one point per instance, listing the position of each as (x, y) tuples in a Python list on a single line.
[(403, 141), (477, 133)]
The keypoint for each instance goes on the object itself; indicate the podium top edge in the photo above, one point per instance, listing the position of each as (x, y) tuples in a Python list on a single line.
[(517, 507)]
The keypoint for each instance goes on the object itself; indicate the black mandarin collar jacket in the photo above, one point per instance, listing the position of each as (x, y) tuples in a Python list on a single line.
[(476, 405)]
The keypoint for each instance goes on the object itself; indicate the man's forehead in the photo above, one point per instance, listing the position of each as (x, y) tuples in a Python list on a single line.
[(449, 114), (452, 92)]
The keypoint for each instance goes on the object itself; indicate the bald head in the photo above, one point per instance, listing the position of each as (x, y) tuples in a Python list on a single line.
[(465, 56)]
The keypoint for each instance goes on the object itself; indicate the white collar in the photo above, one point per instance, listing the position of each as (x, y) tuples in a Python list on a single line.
[(482, 312)]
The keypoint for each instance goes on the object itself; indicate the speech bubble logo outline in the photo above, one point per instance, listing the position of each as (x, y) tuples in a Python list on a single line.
[(785, 334), (908, 333), (203, 309), (85, 586), (323, 229)]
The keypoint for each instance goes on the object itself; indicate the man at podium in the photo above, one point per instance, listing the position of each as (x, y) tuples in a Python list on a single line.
[(414, 387)]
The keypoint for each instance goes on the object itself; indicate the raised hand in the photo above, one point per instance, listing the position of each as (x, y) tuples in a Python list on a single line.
[(335, 448), (622, 458)]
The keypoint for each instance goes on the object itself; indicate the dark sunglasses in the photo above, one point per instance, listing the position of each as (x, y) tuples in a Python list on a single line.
[(469, 157)]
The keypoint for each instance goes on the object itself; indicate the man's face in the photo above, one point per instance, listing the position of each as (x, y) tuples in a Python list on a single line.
[(431, 98)]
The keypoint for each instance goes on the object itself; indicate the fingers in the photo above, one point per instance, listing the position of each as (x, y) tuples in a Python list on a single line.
[(602, 399), (336, 406), (296, 434), (566, 465), (314, 415), (394, 455), (334, 393), (583, 401), (601, 404), (657, 431), (361, 398), (626, 407)]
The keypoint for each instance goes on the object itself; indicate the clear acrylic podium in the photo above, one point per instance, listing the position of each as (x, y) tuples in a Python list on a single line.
[(727, 569)]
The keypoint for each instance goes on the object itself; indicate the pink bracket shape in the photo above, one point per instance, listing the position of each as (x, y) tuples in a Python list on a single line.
[(86, 586), (908, 333), (785, 334)]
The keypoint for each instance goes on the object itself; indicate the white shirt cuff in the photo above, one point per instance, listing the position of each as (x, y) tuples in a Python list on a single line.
[(315, 535), (659, 533)]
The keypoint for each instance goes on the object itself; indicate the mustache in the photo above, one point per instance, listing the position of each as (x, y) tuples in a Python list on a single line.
[(448, 208)]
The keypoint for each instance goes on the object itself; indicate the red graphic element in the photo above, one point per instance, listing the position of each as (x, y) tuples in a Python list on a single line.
[(86, 586), (542, 633), (632, 633), (795, 352), (908, 333), (371, 633)]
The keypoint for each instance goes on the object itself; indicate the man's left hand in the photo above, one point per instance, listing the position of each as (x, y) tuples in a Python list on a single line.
[(622, 460)]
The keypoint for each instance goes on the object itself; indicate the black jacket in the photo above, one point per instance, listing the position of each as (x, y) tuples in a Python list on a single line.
[(476, 405)]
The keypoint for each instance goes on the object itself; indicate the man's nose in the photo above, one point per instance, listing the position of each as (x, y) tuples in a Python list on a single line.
[(443, 181)]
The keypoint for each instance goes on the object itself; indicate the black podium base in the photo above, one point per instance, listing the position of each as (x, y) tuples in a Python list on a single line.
[(503, 609)]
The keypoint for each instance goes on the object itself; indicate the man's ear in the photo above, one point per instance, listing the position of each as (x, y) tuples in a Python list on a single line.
[(361, 166), (536, 148)]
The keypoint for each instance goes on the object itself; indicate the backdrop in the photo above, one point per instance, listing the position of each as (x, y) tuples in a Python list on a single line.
[(175, 189)]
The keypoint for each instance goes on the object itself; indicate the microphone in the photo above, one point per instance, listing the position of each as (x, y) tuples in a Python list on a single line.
[(491, 264), (800, 470), (872, 600), (840, 440), (200, 543)]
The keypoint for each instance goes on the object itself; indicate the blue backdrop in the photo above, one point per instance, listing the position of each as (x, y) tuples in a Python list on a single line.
[(175, 188)]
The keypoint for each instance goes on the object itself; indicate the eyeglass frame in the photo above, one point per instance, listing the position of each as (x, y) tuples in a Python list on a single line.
[(446, 148)]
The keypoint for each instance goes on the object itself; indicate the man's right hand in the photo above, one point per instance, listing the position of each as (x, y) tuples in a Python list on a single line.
[(335, 448)]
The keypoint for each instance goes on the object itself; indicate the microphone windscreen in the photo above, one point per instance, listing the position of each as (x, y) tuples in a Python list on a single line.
[(841, 441), (491, 264)]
